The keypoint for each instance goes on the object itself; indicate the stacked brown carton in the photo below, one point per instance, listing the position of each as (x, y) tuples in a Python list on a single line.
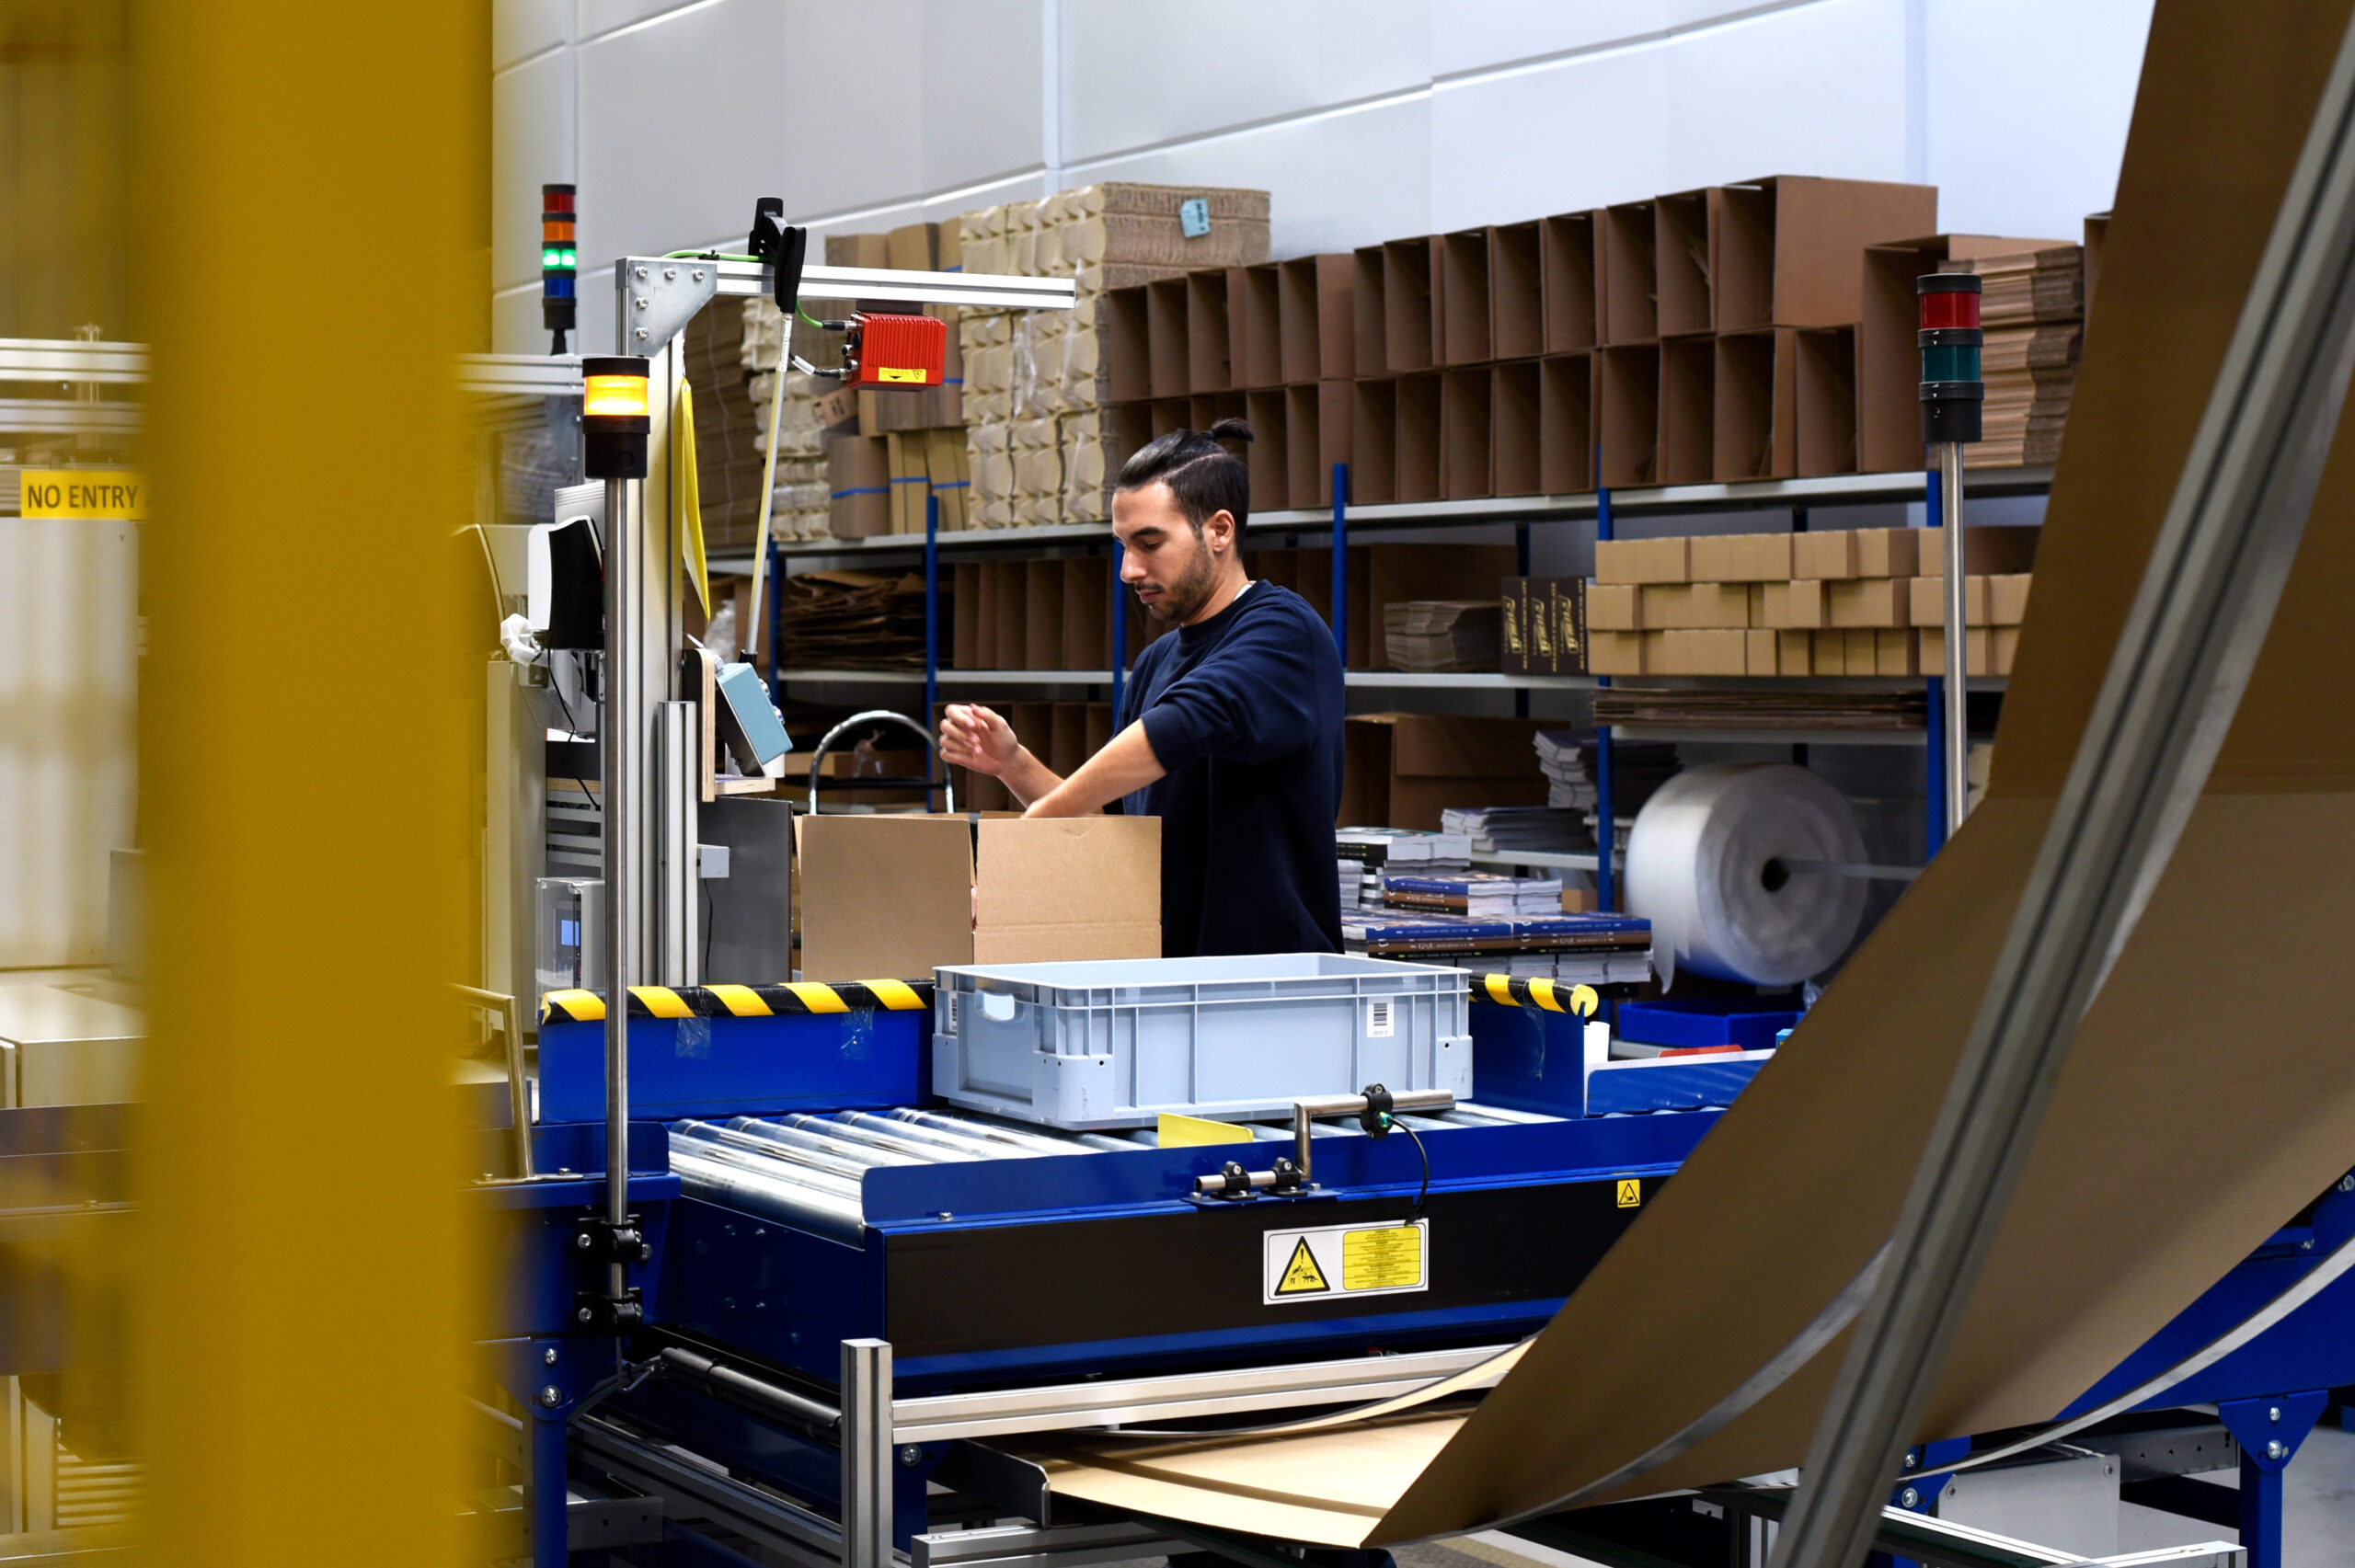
[(728, 442), (1041, 446), (1853, 602), (2032, 308), (805, 508), (1705, 336), (855, 466), (2021, 277)]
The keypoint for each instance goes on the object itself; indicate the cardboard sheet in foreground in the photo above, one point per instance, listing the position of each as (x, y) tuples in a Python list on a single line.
[(2212, 1090)]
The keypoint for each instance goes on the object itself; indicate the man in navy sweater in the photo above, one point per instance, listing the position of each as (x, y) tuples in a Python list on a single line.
[(1230, 730)]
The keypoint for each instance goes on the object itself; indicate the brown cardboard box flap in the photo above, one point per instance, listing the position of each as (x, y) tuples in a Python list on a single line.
[(884, 895), (1051, 887)]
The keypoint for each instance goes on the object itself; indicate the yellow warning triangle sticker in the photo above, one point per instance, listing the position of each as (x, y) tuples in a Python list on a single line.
[(1302, 1276)]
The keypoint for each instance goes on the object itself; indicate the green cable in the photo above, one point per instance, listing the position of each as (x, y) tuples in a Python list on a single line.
[(725, 256)]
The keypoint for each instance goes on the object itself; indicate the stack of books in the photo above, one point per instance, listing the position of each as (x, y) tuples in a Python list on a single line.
[(1413, 851), (1477, 893), (1502, 829), (1568, 785), (1426, 635), (1351, 876), (1583, 949), (1637, 768)]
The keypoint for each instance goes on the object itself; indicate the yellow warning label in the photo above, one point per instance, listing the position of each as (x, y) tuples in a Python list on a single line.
[(86, 493), (1631, 1193), (899, 374), (1302, 1276), (1384, 1259)]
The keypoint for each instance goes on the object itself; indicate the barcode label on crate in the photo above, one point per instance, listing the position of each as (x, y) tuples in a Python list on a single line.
[(1345, 1260), (1378, 1025)]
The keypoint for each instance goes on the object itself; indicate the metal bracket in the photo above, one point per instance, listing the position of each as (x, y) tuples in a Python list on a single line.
[(593, 1311), (2270, 1430), (598, 1240), (660, 297)]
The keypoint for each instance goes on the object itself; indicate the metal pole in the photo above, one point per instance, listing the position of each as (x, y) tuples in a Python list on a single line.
[(1606, 828), (931, 626), (1958, 684), (1341, 561), (2182, 660), (623, 746), (1934, 825), (777, 622), (867, 1453)]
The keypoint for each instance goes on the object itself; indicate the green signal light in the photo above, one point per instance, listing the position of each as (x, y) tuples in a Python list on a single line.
[(553, 258)]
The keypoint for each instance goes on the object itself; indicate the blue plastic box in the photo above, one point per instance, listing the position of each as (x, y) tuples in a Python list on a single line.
[(1708, 1021)]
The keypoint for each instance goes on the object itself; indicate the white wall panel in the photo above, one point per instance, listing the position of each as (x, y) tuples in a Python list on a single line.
[(1337, 181), (2024, 139), (982, 64), (1484, 34), (1137, 76), (1583, 132), (1815, 90), (521, 28), (531, 144), (1368, 119), (599, 17)]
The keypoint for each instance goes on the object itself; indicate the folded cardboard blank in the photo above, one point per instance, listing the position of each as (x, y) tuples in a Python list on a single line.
[(2112, 1230)]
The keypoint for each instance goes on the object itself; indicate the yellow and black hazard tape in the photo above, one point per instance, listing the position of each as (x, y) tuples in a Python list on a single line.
[(798, 998), (1542, 994)]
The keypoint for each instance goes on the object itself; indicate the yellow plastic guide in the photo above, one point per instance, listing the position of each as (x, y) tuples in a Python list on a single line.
[(686, 496), (1191, 1132)]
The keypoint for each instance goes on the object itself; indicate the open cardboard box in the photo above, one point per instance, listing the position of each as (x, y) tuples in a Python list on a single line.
[(894, 897)]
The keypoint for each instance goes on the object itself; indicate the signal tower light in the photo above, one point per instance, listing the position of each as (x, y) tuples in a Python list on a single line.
[(615, 420), (559, 263)]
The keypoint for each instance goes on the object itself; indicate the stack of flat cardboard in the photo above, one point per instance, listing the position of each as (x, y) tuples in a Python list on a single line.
[(813, 410), (1858, 601), (1040, 440), (2032, 309), (1432, 635), (852, 621)]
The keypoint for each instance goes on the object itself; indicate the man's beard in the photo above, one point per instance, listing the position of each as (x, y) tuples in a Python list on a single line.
[(1184, 599)]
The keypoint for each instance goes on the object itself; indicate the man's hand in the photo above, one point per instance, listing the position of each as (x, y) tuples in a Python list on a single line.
[(972, 737)]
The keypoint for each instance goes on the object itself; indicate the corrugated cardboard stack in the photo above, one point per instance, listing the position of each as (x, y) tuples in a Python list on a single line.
[(803, 496), (1040, 440), (728, 452), (1857, 601), (2032, 309)]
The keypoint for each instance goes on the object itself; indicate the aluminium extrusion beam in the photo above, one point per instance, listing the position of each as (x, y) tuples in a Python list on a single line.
[(2183, 658), (53, 358), (1001, 290)]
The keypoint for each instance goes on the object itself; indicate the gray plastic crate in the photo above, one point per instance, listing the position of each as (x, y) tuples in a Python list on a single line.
[(1116, 1042)]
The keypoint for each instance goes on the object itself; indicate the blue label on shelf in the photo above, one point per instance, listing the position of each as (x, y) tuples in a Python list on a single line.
[(1194, 217)]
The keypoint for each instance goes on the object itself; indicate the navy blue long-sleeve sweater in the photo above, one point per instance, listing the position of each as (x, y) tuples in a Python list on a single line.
[(1244, 712)]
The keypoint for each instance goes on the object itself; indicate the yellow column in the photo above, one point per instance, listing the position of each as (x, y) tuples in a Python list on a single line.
[(309, 208)]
